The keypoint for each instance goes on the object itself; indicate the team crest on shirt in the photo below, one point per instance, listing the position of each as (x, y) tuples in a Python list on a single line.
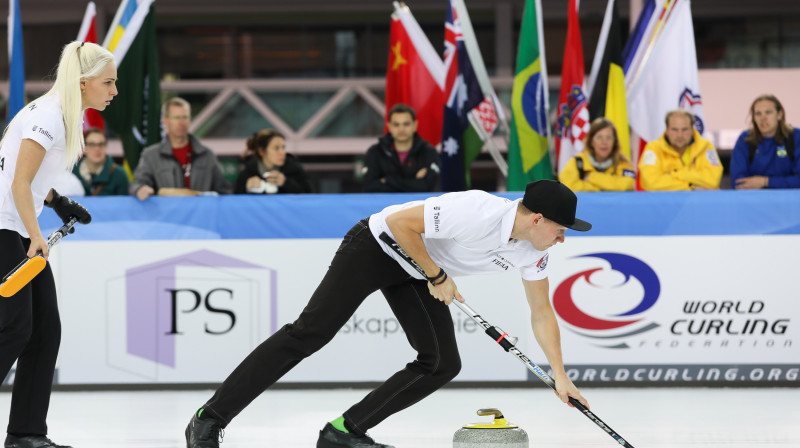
[(542, 263), (712, 157), (649, 158), (781, 152)]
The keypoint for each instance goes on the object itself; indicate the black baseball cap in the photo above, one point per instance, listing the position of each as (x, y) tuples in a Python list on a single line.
[(555, 202)]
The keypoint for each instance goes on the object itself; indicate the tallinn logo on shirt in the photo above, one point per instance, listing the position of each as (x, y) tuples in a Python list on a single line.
[(43, 132), (436, 219)]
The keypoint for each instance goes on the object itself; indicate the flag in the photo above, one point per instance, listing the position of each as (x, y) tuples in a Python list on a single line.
[(16, 61), (462, 93), (88, 33), (607, 80), (572, 114), (528, 152), (415, 74), (485, 118), (135, 116), (667, 77), (640, 38)]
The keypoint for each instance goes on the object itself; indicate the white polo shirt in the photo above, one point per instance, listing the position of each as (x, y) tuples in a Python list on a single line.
[(468, 233), (41, 121)]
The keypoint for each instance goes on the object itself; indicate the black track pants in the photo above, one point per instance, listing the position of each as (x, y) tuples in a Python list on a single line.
[(30, 333), (358, 269)]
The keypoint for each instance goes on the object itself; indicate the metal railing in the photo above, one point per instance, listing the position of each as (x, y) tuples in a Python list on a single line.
[(302, 140)]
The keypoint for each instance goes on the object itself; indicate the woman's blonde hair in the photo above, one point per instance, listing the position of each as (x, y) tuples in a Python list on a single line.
[(79, 61)]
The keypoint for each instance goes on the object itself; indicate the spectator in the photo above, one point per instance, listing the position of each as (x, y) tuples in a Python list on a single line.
[(765, 156), (268, 168), (98, 174), (180, 161), (680, 159), (600, 166), (401, 161)]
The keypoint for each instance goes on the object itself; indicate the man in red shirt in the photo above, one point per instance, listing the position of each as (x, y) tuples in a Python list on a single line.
[(178, 161)]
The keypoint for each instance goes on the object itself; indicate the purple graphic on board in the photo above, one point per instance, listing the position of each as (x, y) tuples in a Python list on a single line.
[(150, 301)]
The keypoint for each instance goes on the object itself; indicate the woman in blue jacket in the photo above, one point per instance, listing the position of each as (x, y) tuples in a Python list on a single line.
[(765, 156)]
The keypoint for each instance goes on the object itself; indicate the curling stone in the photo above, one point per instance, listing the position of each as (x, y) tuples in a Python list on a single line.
[(498, 434)]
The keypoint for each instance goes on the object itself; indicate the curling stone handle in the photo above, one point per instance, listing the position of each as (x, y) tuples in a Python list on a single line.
[(491, 411)]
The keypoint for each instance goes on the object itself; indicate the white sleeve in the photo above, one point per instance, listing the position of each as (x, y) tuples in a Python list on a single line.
[(456, 216), (536, 271), (44, 126)]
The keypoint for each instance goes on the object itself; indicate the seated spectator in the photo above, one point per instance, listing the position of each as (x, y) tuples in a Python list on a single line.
[(98, 174), (180, 163), (268, 168), (680, 159), (401, 161), (600, 166), (766, 155)]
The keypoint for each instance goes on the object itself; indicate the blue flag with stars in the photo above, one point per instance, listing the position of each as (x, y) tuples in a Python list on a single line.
[(462, 94)]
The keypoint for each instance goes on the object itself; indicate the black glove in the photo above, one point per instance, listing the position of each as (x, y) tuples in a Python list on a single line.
[(66, 208)]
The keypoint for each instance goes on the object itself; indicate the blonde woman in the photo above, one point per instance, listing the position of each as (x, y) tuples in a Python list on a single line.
[(600, 166), (44, 138)]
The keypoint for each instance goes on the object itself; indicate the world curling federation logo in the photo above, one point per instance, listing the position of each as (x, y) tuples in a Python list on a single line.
[(607, 303)]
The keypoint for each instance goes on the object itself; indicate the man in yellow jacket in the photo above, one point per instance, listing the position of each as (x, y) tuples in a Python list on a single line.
[(681, 159)]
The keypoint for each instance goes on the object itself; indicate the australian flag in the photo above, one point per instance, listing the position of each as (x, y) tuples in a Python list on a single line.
[(462, 93)]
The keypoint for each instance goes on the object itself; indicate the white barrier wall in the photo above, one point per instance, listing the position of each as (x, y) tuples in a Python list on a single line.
[(705, 308), (667, 288)]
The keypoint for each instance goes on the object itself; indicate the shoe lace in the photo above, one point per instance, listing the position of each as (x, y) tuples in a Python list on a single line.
[(214, 432)]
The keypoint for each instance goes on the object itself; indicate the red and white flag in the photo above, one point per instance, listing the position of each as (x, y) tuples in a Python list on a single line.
[(415, 74), (572, 113), (88, 33)]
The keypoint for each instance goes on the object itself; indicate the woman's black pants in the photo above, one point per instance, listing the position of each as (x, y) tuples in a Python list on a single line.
[(30, 334)]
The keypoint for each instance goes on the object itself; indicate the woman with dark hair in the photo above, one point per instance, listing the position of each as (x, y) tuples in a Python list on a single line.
[(600, 166), (43, 140), (268, 168), (765, 156), (99, 174)]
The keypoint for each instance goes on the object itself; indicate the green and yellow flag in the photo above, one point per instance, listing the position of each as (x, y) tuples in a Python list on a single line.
[(528, 148), (135, 115)]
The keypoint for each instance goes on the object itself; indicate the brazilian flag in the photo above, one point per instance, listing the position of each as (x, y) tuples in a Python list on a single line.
[(528, 148)]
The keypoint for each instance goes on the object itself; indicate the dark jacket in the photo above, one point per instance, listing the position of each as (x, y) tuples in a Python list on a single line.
[(159, 168), (382, 162), (111, 180), (296, 180)]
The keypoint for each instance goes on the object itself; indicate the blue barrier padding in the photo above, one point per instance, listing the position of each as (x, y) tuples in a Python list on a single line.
[(724, 212)]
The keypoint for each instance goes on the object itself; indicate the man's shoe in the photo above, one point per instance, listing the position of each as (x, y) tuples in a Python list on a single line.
[(203, 433), (31, 442), (331, 437)]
